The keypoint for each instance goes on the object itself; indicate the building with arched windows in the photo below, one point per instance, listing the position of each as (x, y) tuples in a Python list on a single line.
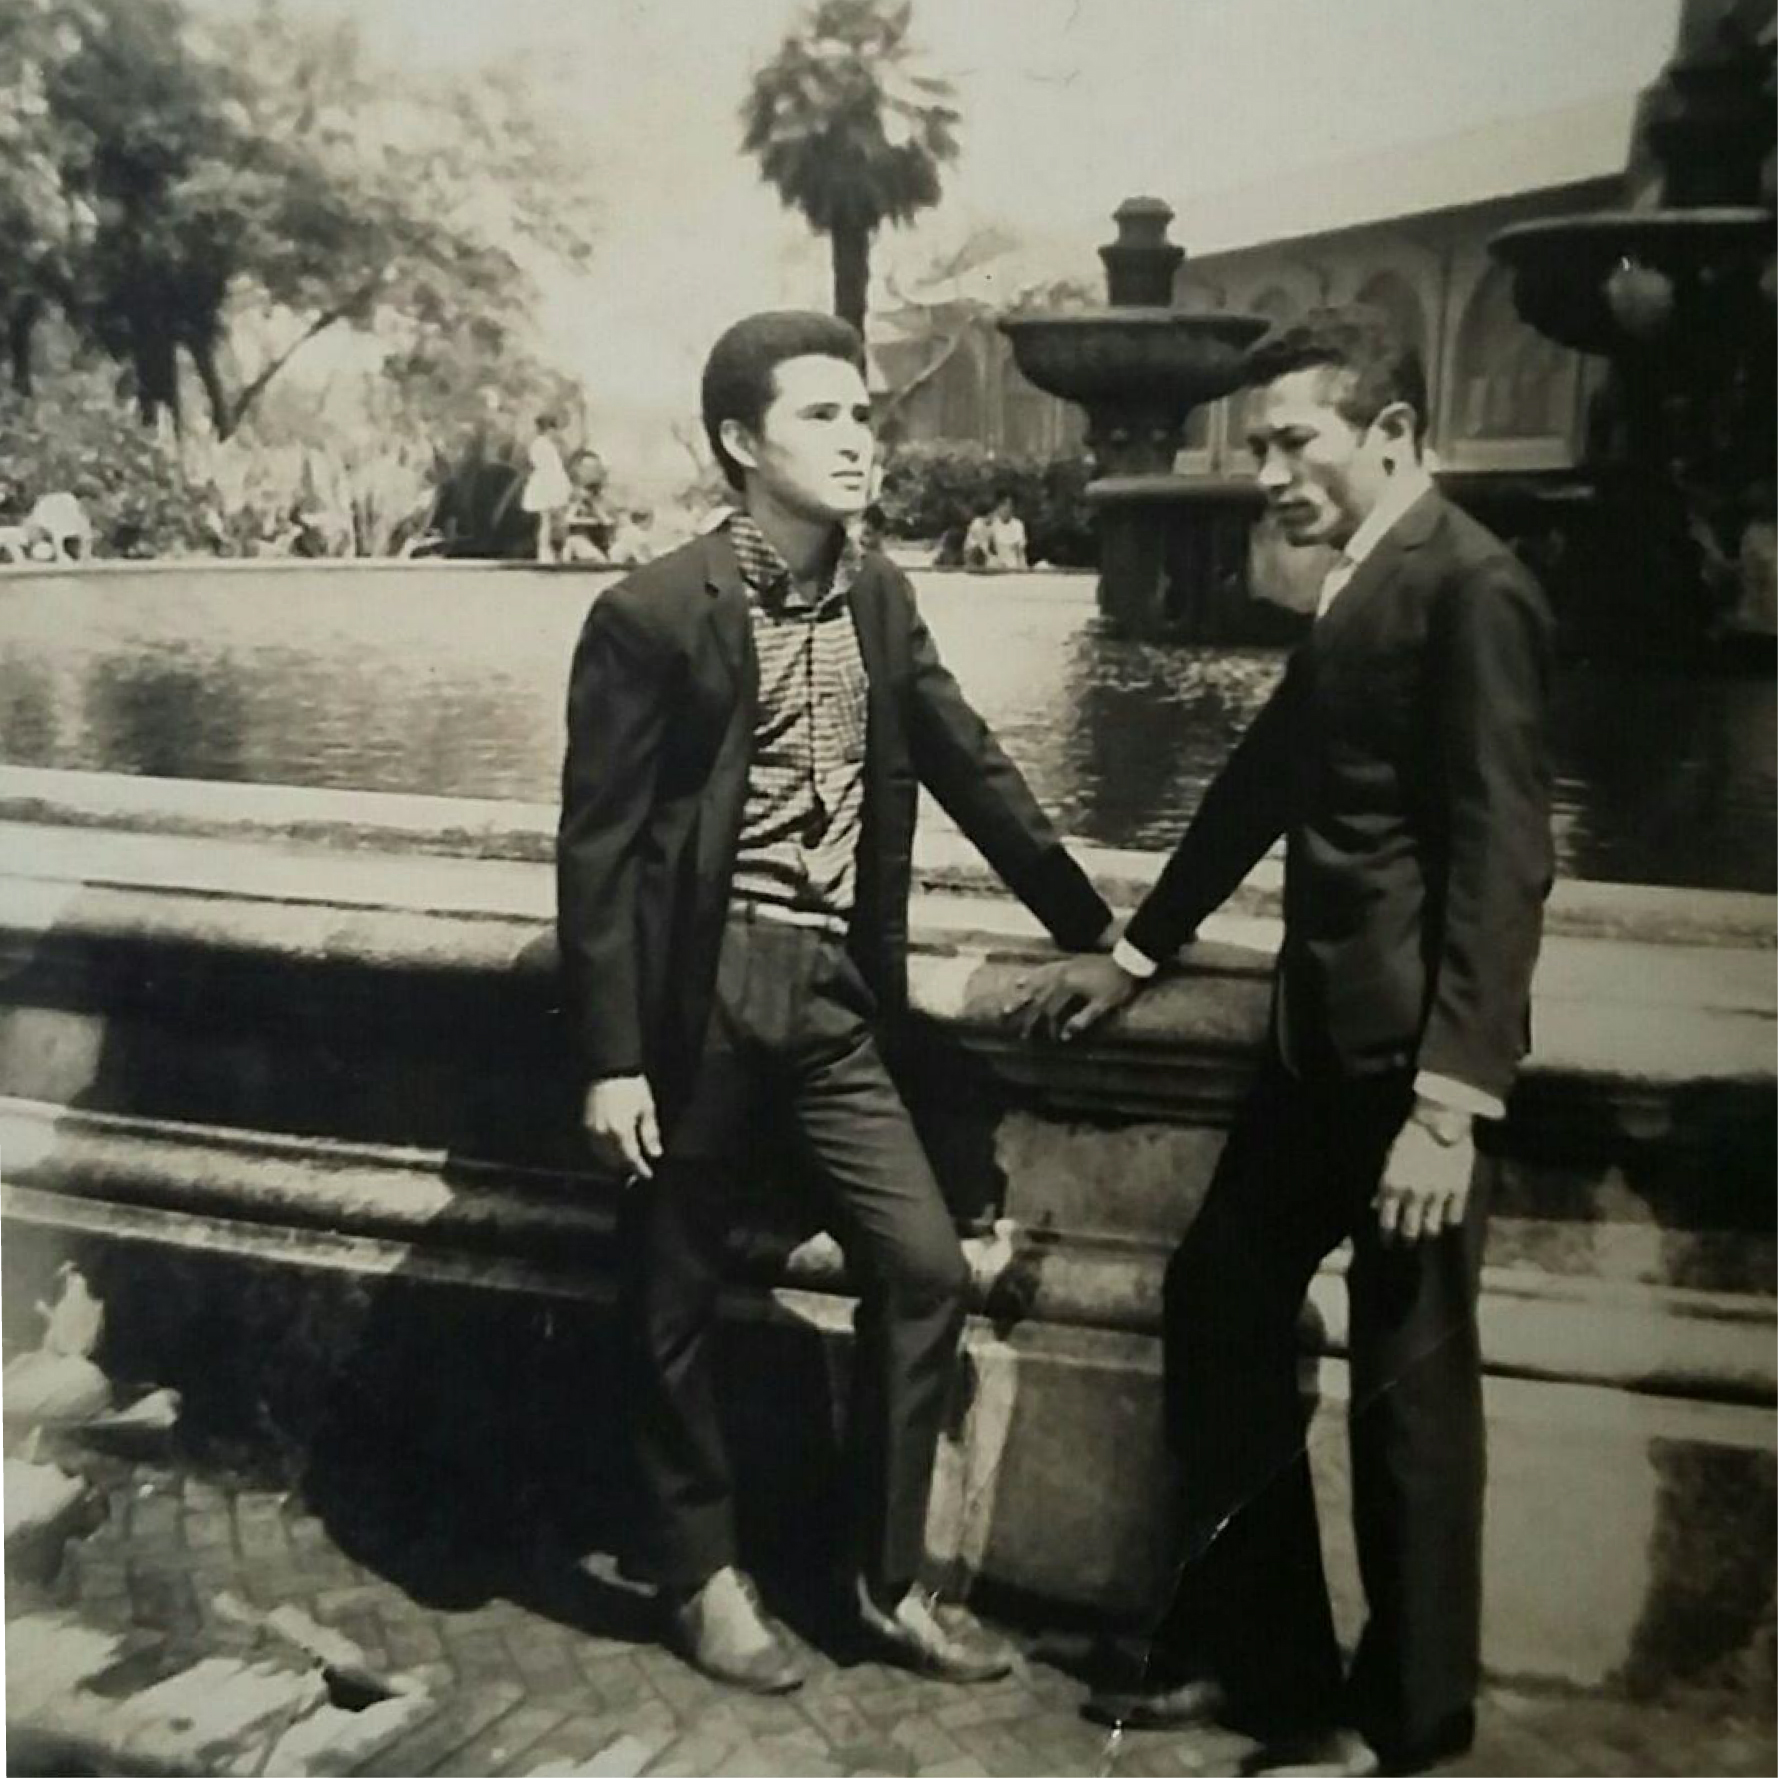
[(1407, 230)]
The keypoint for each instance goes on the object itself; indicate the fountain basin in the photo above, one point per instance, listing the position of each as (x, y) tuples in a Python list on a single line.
[(1564, 265), (1147, 357)]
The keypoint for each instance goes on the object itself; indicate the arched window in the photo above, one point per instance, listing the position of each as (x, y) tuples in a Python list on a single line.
[(1509, 382), (1400, 301)]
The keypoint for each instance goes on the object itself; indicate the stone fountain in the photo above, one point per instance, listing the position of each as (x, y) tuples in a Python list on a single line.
[(1676, 289), (1139, 367)]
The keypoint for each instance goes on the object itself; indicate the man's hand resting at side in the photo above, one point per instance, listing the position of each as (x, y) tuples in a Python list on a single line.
[(621, 1124)]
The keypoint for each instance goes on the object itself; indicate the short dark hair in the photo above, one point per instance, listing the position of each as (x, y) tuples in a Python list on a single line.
[(1360, 340), (738, 374)]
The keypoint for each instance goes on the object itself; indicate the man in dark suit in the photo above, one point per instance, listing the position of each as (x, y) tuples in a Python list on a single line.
[(1403, 759), (749, 721)]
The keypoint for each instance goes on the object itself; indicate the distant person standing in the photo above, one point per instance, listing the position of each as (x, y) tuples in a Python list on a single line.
[(547, 488), (1006, 536)]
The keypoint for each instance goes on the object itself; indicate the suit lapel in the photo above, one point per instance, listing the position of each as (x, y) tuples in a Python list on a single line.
[(731, 622), (866, 623), (1379, 568)]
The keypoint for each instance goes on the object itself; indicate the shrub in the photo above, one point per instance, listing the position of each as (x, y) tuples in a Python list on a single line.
[(80, 440), (931, 489)]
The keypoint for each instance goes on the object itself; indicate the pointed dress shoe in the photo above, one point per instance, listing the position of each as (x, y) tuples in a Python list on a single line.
[(1346, 1753), (723, 1631), (1189, 1703), (912, 1635)]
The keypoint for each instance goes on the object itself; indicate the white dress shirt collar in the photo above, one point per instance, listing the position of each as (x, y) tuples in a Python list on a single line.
[(1405, 487)]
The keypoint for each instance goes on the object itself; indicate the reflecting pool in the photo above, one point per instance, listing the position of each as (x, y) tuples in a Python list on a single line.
[(448, 678)]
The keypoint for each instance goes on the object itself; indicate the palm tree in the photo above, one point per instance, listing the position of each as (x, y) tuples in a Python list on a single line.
[(849, 133)]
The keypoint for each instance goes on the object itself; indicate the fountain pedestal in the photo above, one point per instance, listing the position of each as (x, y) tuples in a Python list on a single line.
[(1139, 367)]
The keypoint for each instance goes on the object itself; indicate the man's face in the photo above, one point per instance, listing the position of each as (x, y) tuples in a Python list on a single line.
[(812, 452), (1321, 474)]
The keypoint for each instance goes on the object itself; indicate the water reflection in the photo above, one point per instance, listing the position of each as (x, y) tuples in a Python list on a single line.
[(1150, 725), (448, 679), (167, 717)]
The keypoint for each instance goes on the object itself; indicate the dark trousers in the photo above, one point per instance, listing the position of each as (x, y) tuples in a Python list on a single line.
[(790, 1043), (1251, 1605)]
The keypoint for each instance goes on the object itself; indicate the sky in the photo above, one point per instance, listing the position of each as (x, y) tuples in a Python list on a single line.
[(1068, 107)]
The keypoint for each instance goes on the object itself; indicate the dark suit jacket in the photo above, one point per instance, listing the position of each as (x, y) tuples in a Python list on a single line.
[(661, 705), (1404, 757)]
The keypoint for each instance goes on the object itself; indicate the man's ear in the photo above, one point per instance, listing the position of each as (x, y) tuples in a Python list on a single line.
[(1396, 426), (739, 443)]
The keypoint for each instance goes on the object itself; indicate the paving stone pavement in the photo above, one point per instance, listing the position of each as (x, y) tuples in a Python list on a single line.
[(560, 1678)]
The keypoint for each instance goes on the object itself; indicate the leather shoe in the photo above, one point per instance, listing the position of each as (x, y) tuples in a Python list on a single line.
[(1346, 1750), (723, 1631), (911, 1635), (1185, 1705)]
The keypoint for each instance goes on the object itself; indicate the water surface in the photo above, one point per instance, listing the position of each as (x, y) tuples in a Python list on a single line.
[(448, 679)]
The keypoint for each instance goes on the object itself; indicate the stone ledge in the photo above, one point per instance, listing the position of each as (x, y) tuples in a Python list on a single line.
[(74, 1168), (1702, 1019), (944, 861)]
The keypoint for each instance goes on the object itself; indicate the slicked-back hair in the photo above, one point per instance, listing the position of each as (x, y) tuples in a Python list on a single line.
[(1381, 366), (738, 375)]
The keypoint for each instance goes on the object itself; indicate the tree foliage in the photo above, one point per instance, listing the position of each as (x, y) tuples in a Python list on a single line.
[(44, 225), (175, 179), (850, 133)]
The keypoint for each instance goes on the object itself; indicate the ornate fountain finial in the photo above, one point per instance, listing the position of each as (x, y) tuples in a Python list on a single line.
[(1141, 263)]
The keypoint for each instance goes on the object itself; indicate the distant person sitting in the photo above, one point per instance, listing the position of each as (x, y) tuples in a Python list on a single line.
[(303, 534), (58, 529), (1006, 536), (873, 528), (633, 541), (547, 490), (978, 547), (588, 528)]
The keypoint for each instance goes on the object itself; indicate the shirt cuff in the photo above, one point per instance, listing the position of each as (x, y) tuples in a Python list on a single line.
[(1132, 961), (1456, 1095)]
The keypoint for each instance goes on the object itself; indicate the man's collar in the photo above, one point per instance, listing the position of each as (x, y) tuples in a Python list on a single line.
[(1400, 494), (768, 575)]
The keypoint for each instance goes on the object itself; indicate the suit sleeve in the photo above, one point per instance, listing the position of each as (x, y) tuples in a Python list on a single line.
[(617, 699), (960, 762), (1490, 643), (1248, 805)]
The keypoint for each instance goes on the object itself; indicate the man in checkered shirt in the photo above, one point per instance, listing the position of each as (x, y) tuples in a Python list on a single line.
[(749, 722)]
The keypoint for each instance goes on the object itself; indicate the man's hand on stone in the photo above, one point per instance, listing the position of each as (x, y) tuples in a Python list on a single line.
[(1066, 998), (621, 1124), (1425, 1185)]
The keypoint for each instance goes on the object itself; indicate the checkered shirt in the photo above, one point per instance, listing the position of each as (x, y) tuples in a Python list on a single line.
[(797, 858)]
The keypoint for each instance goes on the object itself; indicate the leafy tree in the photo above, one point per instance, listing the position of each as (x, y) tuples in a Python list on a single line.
[(153, 144), (43, 225), (850, 133), (263, 164), (413, 209)]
